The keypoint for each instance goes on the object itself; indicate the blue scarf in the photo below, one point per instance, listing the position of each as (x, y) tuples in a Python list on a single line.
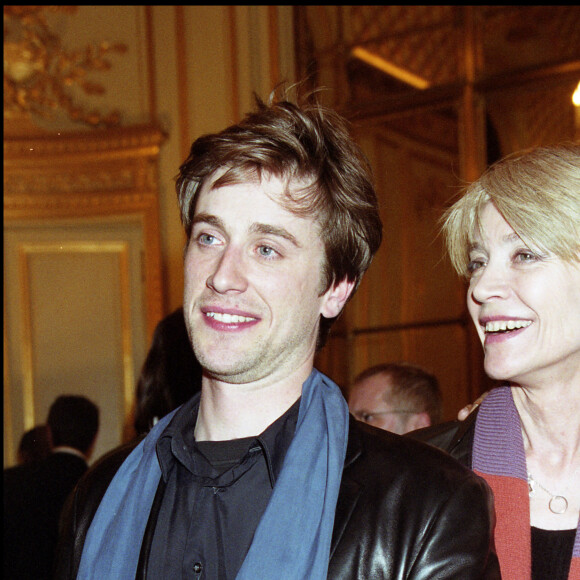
[(292, 540)]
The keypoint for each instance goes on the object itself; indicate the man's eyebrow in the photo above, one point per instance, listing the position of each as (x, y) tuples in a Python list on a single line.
[(280, 232), (259, 228), (207, 218)]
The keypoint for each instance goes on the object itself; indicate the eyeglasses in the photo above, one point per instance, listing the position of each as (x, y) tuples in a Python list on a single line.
[(368, 417)]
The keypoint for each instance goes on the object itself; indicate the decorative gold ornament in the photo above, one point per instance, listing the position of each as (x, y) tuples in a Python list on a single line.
[(39, 73)]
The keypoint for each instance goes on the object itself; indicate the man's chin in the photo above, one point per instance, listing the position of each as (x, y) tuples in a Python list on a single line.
[(230, 373)]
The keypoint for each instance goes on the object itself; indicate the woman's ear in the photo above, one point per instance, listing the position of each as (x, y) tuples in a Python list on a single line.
[(336, 297)]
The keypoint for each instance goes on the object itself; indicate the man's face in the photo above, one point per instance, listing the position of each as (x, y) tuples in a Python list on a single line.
[(370, 400), (252, 298)]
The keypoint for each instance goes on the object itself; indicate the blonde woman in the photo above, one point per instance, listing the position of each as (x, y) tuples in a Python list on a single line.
[(515, 235)]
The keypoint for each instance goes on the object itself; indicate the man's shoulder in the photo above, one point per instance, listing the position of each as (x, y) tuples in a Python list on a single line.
[(391, 474), (82, 505), (99, 475), (454, 437), (17, 470), (64, 463), (379, 455), (15, 476), (408, 501)]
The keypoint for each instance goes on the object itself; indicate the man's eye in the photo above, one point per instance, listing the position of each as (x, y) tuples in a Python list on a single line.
[(267, 252), (206, 239), (367, 417)]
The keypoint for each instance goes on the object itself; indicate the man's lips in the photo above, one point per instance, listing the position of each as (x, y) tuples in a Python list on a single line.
[(227, 319)]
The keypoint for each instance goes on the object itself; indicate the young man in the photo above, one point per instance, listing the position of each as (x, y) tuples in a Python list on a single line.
[(263, 475)]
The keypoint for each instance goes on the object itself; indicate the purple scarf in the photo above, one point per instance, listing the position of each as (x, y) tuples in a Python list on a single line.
[(499, 457)]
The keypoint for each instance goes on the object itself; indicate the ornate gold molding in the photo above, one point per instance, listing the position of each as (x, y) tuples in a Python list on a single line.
[(116, 160), (39, 71)]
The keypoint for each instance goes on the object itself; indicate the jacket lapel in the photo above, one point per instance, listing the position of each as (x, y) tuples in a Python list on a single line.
[(350, 489)]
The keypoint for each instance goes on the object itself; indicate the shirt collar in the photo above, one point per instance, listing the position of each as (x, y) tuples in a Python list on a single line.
[(70, 450), (177, 440), (276, 439)]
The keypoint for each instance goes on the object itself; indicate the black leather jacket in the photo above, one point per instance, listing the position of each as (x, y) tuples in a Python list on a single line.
[(405, 511), (454, 437)]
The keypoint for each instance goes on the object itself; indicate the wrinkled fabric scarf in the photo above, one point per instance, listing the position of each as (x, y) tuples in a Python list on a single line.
[(292, 540), (499, 457)]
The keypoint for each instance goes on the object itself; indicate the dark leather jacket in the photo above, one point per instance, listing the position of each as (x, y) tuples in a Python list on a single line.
[(405, 511), (454, 437)]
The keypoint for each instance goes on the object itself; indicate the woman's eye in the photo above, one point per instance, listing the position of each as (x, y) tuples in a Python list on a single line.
[(525, 256), (475, 265)]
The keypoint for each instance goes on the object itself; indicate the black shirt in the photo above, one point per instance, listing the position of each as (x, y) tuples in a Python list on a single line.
[(215, 495), (551, 553)]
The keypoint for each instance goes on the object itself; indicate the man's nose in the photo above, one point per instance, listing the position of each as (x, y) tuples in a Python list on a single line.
[(229, 273)]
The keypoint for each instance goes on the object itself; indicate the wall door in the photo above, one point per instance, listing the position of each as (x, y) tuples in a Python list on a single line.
[(82, 268), (75, 320)]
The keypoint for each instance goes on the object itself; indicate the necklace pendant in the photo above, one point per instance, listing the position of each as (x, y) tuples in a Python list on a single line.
[(558, 504)]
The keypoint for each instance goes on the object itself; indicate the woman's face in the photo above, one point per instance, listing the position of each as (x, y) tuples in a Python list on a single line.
[(525, 305)]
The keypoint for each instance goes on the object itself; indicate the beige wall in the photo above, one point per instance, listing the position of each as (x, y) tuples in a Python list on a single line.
[(187, 70)]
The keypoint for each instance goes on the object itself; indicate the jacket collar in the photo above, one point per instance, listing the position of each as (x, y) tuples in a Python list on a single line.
[(350, 489), (354, 446)]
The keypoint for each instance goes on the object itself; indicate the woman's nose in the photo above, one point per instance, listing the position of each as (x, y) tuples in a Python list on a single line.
[(489, 283)]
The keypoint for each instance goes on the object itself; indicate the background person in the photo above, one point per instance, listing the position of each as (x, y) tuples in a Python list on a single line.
[(263, 475), (398, 397), (34, 493), (35, 444), (515, 235), (170, 374)]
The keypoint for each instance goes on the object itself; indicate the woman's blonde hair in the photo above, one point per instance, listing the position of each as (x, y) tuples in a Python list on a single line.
[(536, 191)]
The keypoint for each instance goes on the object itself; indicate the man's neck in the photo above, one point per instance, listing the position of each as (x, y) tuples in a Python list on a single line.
[(230, 411)]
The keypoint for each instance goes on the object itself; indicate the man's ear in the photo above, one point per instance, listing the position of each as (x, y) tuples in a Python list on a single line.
[(335, 298)]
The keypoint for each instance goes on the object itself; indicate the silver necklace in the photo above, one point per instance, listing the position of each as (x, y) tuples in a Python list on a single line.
[(558, 504)]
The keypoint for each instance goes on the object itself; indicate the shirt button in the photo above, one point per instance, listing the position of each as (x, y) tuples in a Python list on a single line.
[(197, 567)]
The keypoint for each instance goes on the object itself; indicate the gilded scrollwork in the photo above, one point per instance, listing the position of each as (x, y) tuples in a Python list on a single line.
[(40, 73)]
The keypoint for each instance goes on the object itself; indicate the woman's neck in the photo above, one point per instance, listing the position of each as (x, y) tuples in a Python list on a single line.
[(550, 422)]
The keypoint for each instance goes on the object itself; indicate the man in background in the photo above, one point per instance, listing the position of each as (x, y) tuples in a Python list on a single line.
[(34, 493), (35, 445), (397, 397)]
